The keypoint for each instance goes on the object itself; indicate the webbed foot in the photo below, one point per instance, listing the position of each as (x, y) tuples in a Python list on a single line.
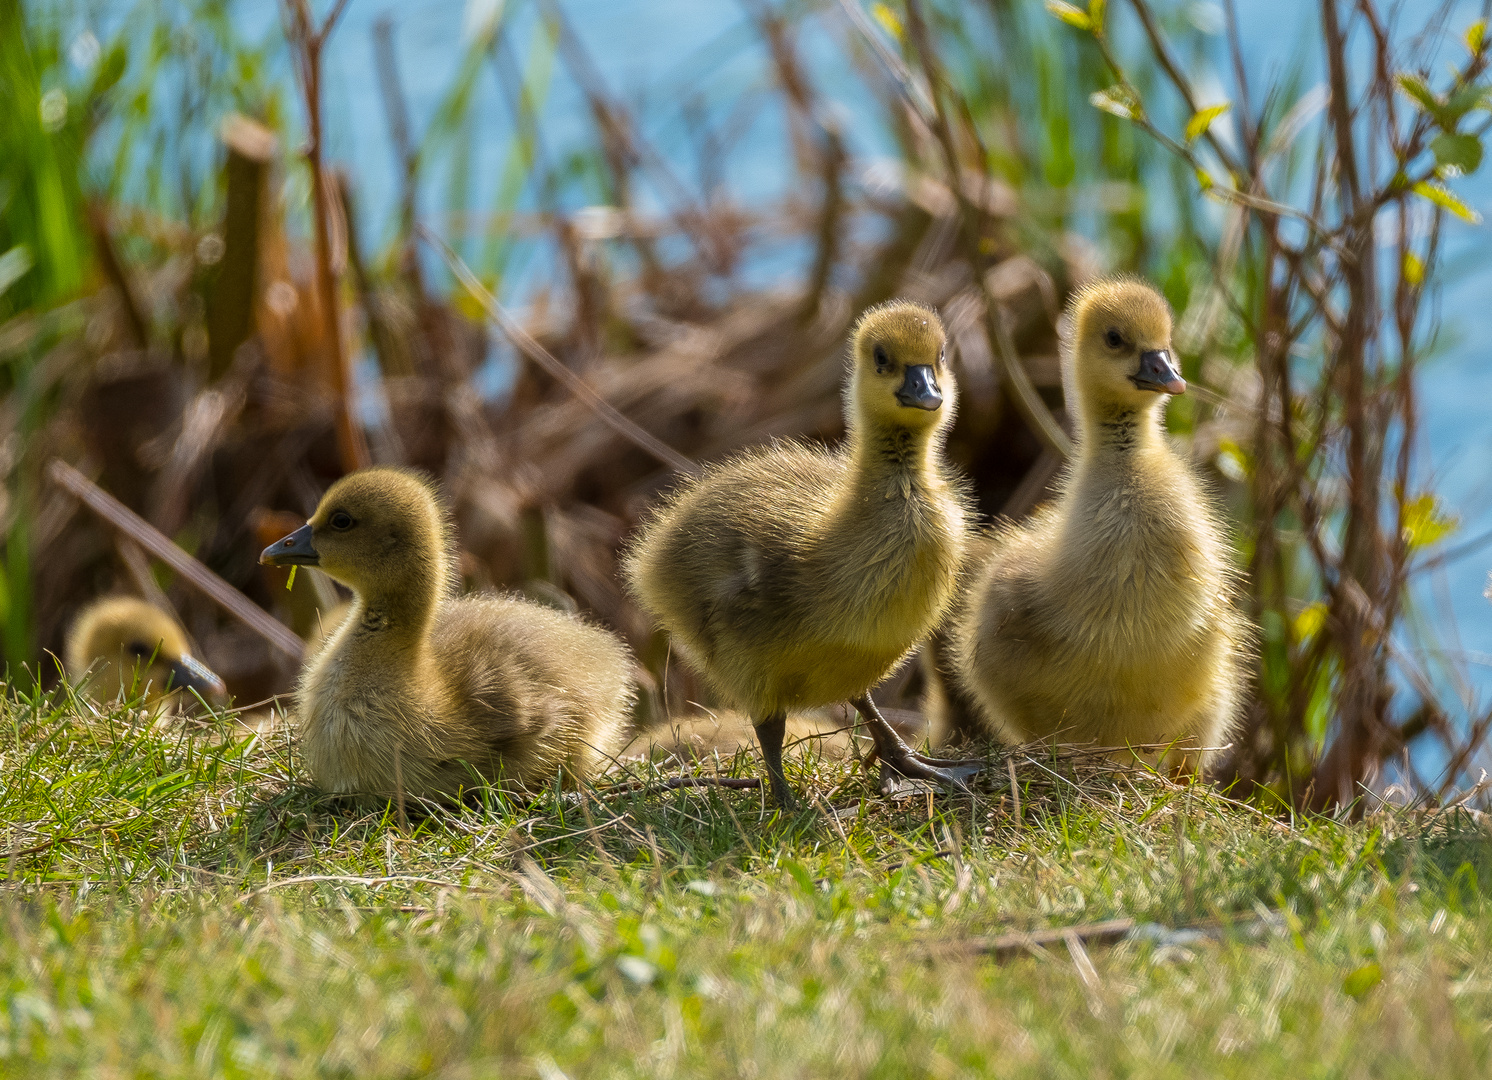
[(901, 759)]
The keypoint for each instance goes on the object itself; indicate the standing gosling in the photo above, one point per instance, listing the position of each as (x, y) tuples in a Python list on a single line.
[(1109, 618), (794, 577), (130, 648), (415, 688)]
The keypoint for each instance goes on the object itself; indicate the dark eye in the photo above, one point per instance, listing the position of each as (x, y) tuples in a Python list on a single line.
[(1113, 338), (139, 650), (883, 362), (341, 521)]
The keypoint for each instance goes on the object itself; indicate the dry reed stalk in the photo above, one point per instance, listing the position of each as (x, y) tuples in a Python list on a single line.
[(307, 40)]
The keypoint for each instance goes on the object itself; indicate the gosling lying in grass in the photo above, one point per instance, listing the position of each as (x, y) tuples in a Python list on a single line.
[(793, 577), (1109, 618), (421, 692), (130, 648)]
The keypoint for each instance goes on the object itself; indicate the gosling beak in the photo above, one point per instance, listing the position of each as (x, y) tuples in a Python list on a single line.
[(1158, 372), (189, 673), (294, 550), (919, 390)]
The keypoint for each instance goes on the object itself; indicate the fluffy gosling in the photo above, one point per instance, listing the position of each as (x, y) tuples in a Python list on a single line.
[(1109, 618), (415, 690), (793, 577)]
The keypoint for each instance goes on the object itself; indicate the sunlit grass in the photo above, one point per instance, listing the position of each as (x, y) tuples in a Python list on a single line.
[(181, 903)]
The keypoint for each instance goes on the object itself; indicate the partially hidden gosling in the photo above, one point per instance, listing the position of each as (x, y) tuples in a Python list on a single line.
[(1109, 618), (793, 577), (417, 691), (131, 649)]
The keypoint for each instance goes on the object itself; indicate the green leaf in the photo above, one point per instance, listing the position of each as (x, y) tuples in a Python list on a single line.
[(1460, 103), (1095, 14), (1202, 120), (889, 20), (1204, 179), (1414, 269), (1460, 152), (1358, 983), (1309, 621), (1421, 94), (1442, 196), (1476, 35), (800, 874), (1119, 101), (1426, 522), (13, 266), (1071, 14)]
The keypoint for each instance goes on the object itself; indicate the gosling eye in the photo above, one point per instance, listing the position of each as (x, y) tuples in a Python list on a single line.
[(341, 521), (1113, 338), (139, 650), (883, 361)]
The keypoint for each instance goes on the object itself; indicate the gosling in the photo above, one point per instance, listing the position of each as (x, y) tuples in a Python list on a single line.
[(129, 649), (415, 690), (1110, 617), (793, 578)]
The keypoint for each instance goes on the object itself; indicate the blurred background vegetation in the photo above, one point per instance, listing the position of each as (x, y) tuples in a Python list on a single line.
[(225, 280)]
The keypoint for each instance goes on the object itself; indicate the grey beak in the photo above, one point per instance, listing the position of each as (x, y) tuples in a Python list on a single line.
[(919, 389), (189, 673), (294, 550), (1158, 373)]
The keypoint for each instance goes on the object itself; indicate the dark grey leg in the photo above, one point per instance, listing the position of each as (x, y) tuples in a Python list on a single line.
[(769, 733), (898, 756)]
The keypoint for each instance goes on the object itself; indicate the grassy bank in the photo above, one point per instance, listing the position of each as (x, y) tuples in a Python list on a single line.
[(180, 904)]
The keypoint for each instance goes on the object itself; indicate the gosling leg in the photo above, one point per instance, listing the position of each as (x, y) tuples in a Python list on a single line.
[(897, 755), (769, 733)]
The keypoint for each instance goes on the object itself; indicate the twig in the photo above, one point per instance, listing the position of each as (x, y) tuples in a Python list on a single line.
[(675, 782), (306, 42), (396, 110), (546, 360), (1098, 933), (346, 880), (158, 544), (139, 572), (913, 91), (1015, 789), (1038, 417)]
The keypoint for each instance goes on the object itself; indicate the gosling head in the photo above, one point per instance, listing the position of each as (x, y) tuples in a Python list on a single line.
[(1120, 354), (899, 375), (135, 648), (377, 531)]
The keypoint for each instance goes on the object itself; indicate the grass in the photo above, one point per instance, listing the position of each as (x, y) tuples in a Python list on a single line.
[(180, 904)]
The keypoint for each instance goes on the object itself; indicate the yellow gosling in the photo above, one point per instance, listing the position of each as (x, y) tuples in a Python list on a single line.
[(129, 649), (416, 690), (1109, 619), (793, 577)]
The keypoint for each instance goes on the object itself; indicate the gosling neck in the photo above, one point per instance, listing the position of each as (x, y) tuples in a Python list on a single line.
[(896, 458), (399, 615), (1117, 433)]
